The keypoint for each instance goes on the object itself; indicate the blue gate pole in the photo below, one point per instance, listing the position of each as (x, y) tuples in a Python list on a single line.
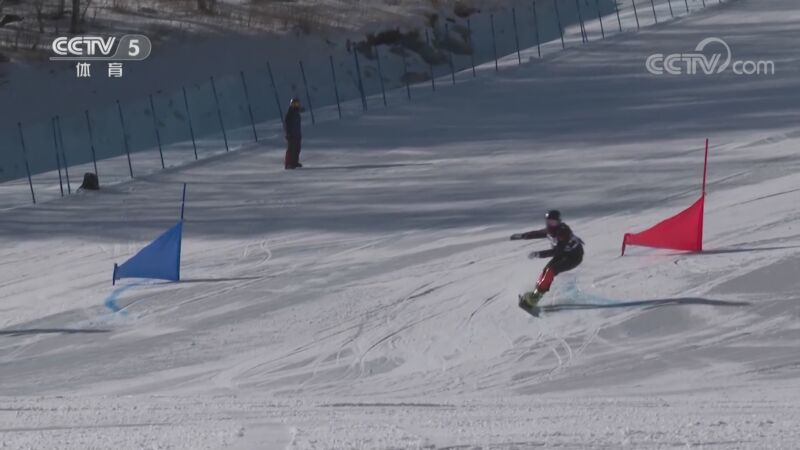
[(494, 42), (405, 73), (536, 30), (158, 134), (189, 120), (584, 35), (249, 106), (450, 55), (91, 141), (430, 65), (335, 87), (619, 20), (360, 81), (655, 17), (635, 14), (125, 137), (600, 18), (25, 156), (560, 28), (58, 159), (275, 91), (516, 33), (308, 93), (63, 153), (380, 74), (471, 48), (219, 114)]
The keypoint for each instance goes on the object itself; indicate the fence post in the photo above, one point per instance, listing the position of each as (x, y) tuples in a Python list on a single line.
[(91, 142), (380, 74), (635, 14), (275, 92), (158, 133), (125, 138), (25, 156), (619, 20), (584, 36), (471, 48), (600, 18), (494, 42), (560, 28), (63, 153), (249, 105), (189, 120), (405, 73), (450, 54), (704, 3), (655, 17), (360, 81), (671, 13), (536, 30), (430, 65), (516, 33), (219, 114), (308, 93), (335, 87), (687, 6), (58, 159)]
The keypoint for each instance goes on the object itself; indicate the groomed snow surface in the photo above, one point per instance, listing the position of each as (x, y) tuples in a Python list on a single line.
[(369, 300)]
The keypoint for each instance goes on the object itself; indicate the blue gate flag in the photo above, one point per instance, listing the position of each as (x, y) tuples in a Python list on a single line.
[(160, 260)]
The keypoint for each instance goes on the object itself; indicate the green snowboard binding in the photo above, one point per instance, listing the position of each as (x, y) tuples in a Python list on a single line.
[(529, 301)]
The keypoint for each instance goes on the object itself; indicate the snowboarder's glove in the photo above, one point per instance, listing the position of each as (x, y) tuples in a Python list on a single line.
[(516, 237), (534, 255)]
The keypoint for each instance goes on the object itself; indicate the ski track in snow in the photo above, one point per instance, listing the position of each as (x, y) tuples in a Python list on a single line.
[(369, 300)]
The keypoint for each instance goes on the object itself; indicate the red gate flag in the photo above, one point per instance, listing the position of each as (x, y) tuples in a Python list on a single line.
[(683, 231)]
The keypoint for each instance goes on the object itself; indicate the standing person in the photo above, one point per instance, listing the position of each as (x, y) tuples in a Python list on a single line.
[(292, 128), (566, 253)]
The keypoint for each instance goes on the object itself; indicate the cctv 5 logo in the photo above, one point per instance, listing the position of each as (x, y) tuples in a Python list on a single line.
[(130, 48)]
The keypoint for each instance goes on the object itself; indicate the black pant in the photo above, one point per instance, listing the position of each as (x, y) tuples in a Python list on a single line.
[(292, 158), (566, 261)]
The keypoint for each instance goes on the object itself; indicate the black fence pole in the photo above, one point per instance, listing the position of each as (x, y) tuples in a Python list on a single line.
[(536, 30), (249, 105), (219, 114), (687, 5), (275, 91), (516, 33), (600, 18), (308, 93), (360, 81), (380, 74), (635, 14), (125, 137), (91, 141), (704, 3), (189, 121), (584, 36), (63, 153), (494, 43), (655, 16), (671, 13), (405, 73), (58, 159), (430, 64), (450, 54), (335, 87), (471, 48), (619, 20), (560, 28), (158, 133), (25, 156)]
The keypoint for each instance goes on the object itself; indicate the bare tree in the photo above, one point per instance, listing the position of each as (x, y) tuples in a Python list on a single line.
[(76, 17), (62, 9)]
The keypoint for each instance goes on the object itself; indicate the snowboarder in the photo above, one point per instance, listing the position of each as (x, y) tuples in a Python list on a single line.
[(293, 135), (566, 253)]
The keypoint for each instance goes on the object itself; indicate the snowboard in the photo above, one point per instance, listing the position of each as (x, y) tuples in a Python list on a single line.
[(534, 311)]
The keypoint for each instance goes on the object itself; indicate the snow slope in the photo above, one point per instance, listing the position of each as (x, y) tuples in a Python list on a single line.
[(368, 300)]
